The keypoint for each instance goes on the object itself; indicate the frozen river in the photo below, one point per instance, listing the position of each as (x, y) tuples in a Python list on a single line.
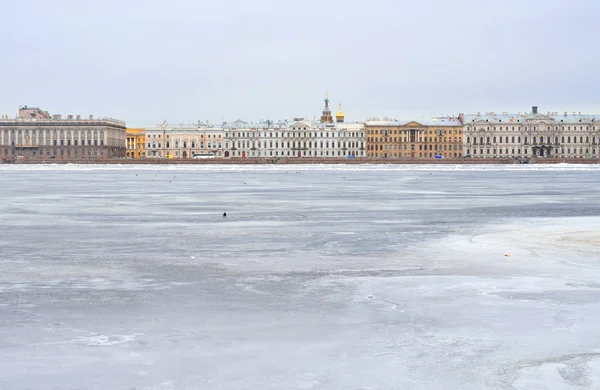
[(359, 277)]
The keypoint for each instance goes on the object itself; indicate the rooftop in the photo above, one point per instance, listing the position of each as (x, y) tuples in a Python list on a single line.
[(36, 115), (450, 121), (565, 117)]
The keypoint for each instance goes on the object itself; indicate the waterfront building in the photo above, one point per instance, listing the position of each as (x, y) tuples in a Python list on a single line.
[(532, 134), (136, 142), (244, 139), (298, 138), (184, 141), (35, 134), (439, 137), (340, 140)]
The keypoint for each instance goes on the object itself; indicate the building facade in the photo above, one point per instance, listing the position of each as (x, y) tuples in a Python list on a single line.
[(181, 141), (531, 134), (298, 138), (35, 134), (438, 138), (136, 143)]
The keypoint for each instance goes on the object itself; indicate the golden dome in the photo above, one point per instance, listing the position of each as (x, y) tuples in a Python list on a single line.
[(340, 113)]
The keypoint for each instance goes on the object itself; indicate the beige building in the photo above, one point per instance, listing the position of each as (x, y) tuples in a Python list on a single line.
[(437, 138), (35, 134), (532, 134)]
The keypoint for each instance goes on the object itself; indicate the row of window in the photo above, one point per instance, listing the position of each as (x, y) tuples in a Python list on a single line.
[(54, 142), (154, 145), (297, 144), (542, 140), (413, 147), (562, 151), (159, 136), (258, 144), (414, 155), (400, 132), (52, 152), (296, 135), (405, 139), (47, 131), (551, 128), (301, 153), (51, 134), (421, 147)]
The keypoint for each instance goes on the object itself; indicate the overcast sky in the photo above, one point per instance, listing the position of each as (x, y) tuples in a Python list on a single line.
[(185, 60)]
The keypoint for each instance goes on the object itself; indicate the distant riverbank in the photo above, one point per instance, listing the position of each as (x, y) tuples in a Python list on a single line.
[(351, 161)]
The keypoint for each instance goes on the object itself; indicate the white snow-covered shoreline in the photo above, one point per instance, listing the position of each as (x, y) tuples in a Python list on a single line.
[(302, 167)]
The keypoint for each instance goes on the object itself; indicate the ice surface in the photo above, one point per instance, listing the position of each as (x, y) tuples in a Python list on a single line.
[(320, 277)]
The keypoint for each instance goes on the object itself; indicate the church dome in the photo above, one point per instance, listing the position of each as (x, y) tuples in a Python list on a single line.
[(340, 114)]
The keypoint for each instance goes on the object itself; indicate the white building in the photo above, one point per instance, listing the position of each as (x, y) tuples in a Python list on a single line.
[(531, 134), (299, 138), (184, 141)]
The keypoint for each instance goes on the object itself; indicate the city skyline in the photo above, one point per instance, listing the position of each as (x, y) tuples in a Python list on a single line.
[(186, 61)]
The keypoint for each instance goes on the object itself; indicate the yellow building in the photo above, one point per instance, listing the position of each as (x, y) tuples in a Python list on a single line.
[(136, 143), (440, 138)]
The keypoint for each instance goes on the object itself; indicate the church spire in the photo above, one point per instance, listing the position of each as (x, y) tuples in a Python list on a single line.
[(326, 117)]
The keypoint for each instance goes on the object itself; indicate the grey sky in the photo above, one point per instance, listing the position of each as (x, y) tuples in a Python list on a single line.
[(184, 60)]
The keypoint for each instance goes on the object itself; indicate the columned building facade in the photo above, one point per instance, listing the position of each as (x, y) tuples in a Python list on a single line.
[(136, 143), (325, 138), (299, 138), (438, 138), (532, 134), (184, 141), (249, 140), (35, 134)]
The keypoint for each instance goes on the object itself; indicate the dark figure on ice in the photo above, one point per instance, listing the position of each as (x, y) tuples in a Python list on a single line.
[(224, 215)]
